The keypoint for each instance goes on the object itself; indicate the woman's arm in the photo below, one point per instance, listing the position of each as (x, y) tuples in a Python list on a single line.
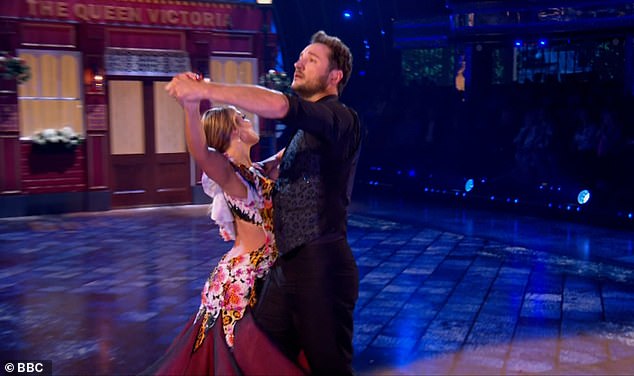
[(214, 164), (271, 165)]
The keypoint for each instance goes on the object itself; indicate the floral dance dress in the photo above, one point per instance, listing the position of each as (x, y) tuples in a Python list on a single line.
[(222, 338)]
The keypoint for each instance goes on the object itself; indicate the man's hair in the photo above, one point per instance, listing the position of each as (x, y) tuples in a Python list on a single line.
[(340, 56)]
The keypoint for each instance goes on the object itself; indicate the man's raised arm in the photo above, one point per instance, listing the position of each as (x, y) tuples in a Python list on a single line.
[(256, 99)]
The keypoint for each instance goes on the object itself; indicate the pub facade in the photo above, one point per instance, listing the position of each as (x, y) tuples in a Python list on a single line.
[(89, 125)]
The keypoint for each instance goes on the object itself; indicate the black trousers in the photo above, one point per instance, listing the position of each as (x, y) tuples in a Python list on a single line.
[(307, 303)]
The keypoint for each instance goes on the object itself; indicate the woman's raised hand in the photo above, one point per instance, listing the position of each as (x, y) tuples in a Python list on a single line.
[(186, 87)]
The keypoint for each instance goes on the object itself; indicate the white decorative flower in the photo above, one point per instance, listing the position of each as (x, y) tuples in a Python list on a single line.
[(65, 136), (49, 133)]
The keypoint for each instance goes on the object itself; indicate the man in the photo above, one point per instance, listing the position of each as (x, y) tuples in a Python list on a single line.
[(308, 301)]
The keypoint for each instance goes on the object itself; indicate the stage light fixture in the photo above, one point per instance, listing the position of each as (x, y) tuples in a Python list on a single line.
[(468, 186), (347, 14), (583, 197)]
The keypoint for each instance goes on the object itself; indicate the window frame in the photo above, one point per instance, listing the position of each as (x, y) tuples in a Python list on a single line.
[(80, 90)]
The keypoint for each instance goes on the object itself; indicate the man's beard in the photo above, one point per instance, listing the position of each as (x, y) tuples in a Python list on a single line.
[(310, 88)]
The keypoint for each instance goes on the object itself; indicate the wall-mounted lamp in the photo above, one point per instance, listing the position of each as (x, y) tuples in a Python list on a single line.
[(98, 81), (94, 80)]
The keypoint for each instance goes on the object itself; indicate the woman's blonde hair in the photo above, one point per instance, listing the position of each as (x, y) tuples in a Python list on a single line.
[(218, 123)]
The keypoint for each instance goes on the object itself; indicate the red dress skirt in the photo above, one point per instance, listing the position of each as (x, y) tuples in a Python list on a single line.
[(252, 354)]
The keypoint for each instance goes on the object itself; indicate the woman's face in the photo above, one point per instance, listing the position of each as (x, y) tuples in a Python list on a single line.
[(245, 129)]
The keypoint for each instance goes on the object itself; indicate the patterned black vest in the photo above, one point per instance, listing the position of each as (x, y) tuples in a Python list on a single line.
[(299, 196)]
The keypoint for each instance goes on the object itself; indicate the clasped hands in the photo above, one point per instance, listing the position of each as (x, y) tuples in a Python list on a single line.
[(186, 88)]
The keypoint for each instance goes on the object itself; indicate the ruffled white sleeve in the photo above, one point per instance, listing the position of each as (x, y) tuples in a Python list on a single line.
[(219, 210)]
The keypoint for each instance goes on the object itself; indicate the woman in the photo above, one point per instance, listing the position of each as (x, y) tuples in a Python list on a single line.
[(222, 338)]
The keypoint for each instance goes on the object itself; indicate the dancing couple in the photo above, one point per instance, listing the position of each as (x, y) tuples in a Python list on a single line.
[(281, 300)]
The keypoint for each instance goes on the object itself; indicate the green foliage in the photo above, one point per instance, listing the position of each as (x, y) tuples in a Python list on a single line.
[(276, 80), (430, 65), (14, 68)]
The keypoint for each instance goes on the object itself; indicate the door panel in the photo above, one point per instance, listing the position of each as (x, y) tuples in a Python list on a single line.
[(169, 122), (150, 164), (127, 123), (172, 160)]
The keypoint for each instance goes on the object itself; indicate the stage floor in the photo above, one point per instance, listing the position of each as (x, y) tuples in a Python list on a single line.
[(442, 290)]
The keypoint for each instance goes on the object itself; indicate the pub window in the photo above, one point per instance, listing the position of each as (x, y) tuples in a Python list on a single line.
[(52, 97)]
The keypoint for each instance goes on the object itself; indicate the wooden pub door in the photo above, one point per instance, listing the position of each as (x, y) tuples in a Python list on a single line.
[(149, 160)]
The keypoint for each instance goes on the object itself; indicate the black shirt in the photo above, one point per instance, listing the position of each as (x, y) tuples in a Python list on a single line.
[(312, 193)]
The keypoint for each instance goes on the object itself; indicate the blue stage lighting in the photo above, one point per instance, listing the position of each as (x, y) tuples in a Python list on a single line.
[(542, 42), (347, 14), (583, 197), (468, 186), (518, 43)]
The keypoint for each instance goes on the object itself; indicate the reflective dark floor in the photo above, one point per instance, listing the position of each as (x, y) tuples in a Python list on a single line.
[(443, 290)]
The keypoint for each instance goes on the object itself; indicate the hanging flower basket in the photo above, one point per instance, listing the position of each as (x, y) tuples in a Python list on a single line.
[(276, 80), (56, 139), (14, 68)]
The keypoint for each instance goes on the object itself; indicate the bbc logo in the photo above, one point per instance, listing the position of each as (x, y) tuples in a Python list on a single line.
[(27, 367)]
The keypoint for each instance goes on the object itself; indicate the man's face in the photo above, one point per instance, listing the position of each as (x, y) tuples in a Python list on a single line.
[(311, 70)]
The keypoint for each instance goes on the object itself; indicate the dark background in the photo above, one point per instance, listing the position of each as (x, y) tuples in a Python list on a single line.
[(545, 114)]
